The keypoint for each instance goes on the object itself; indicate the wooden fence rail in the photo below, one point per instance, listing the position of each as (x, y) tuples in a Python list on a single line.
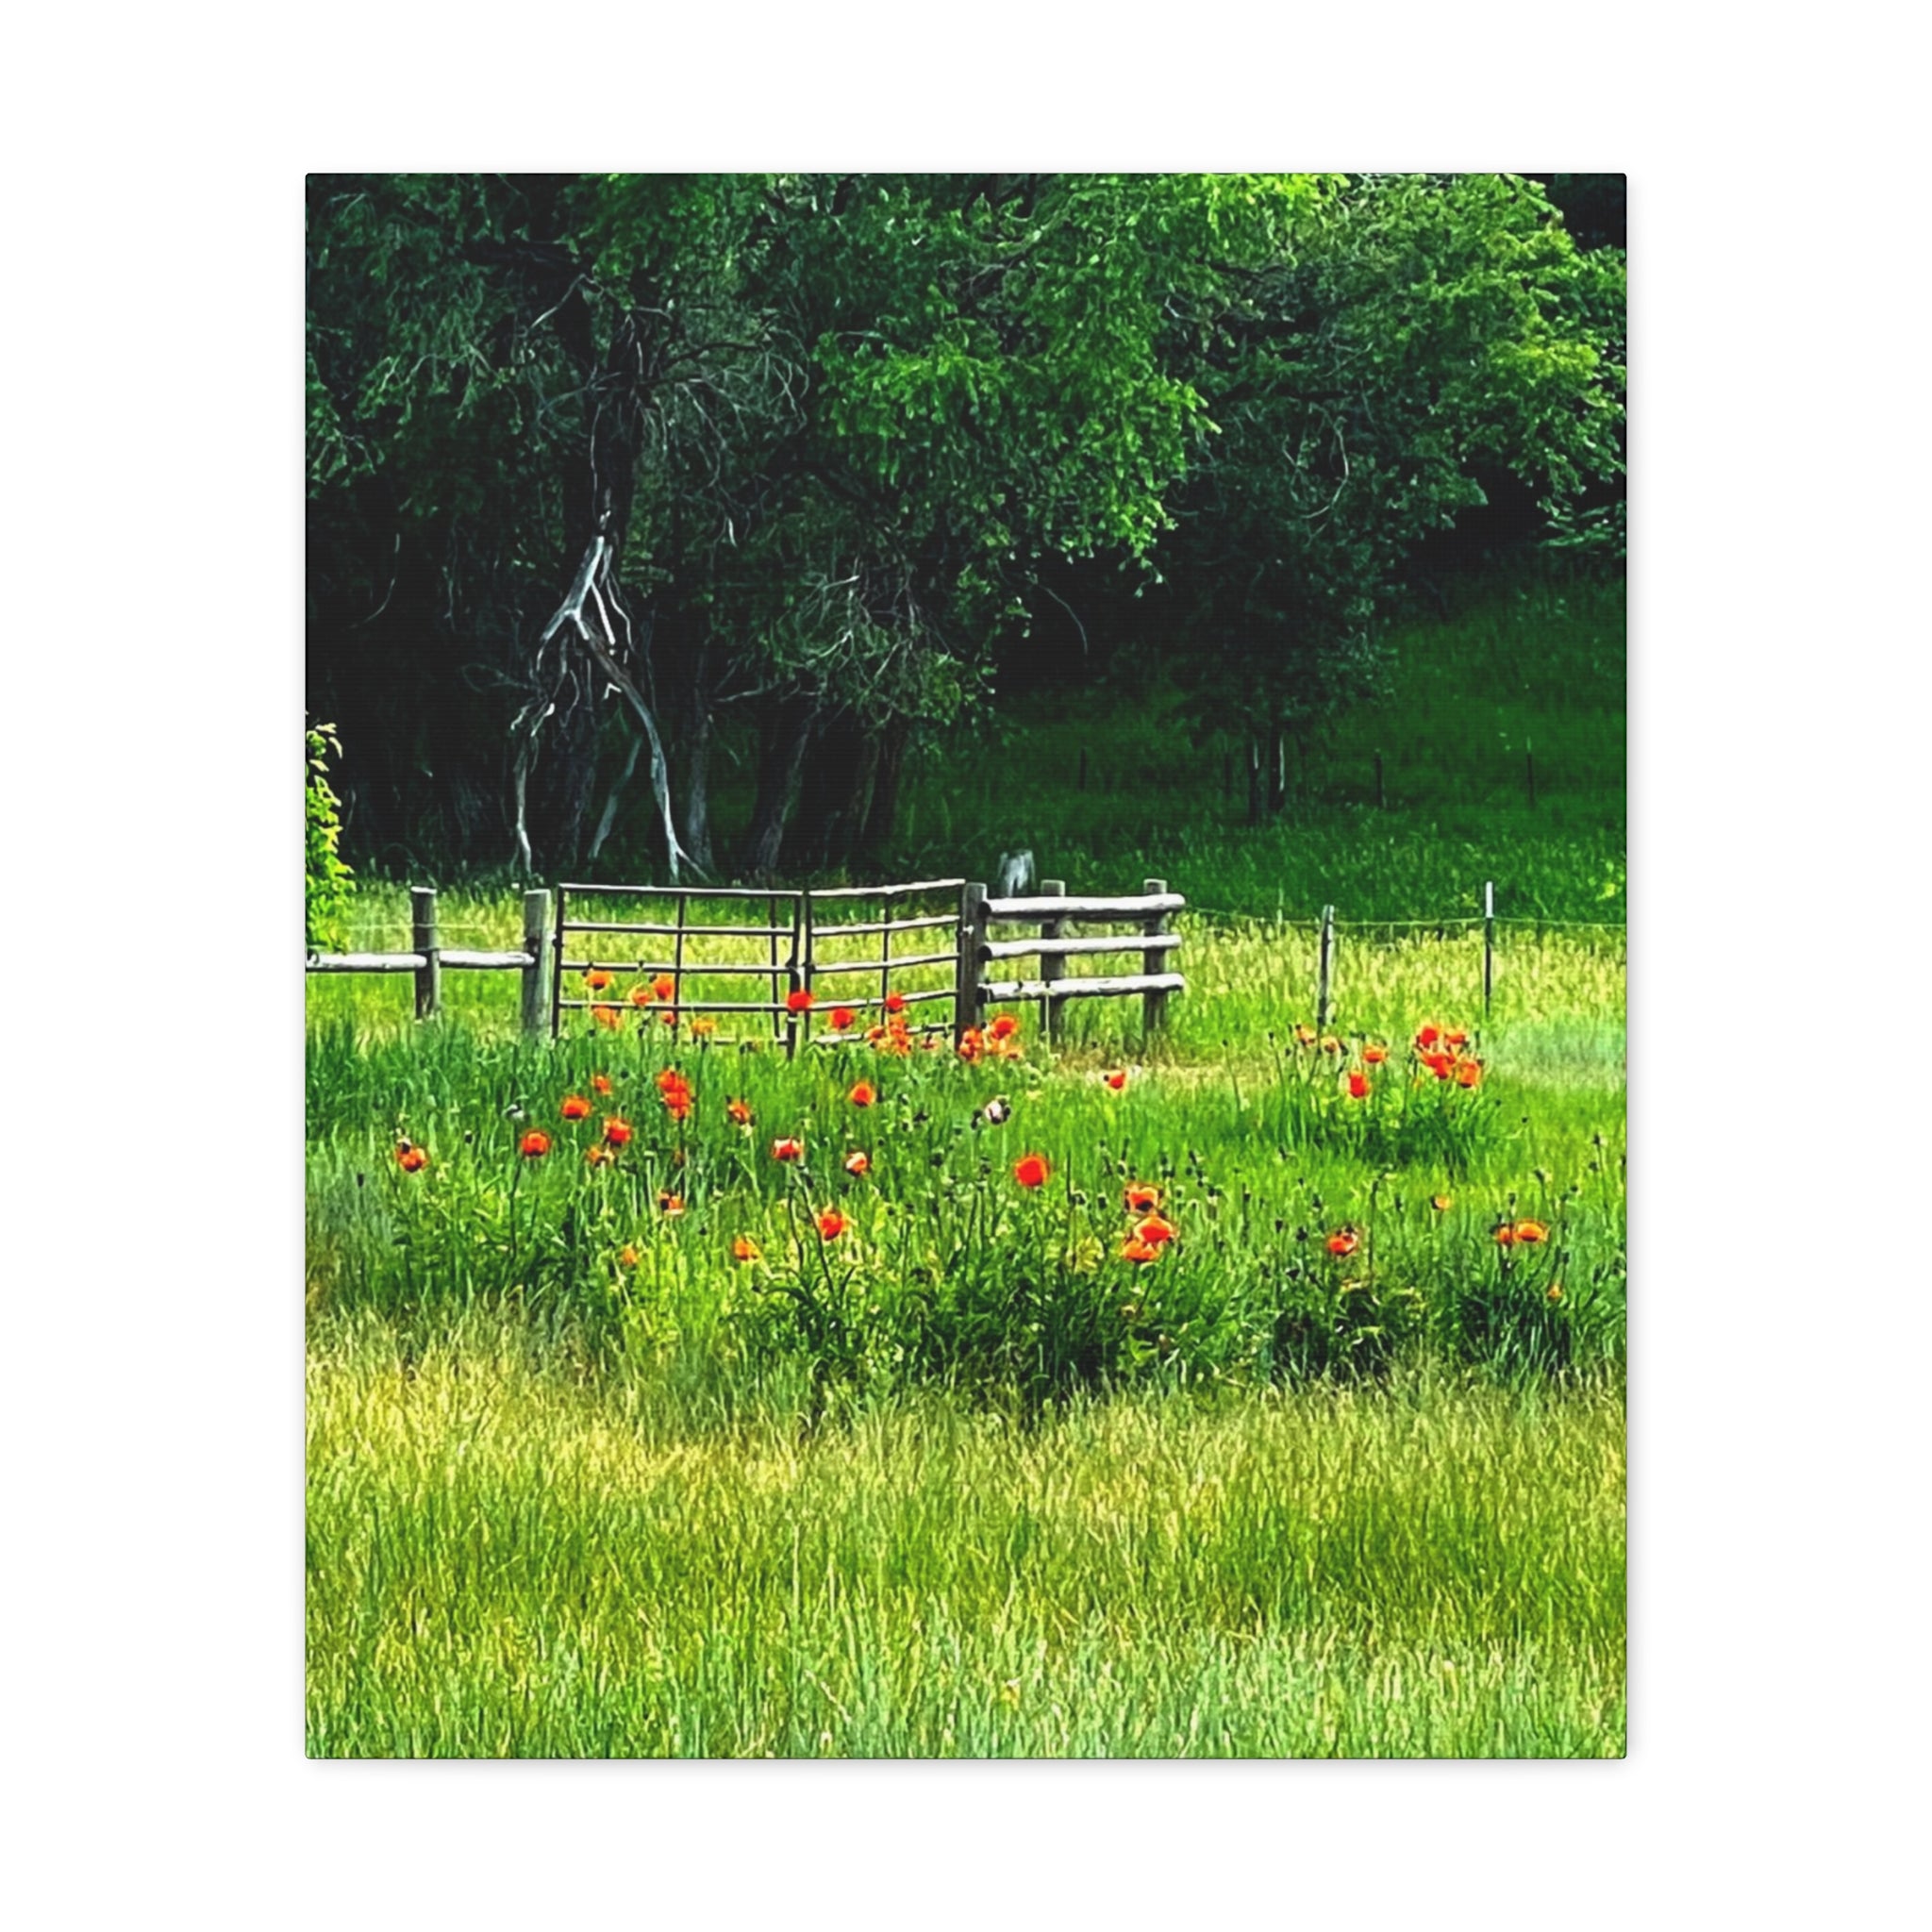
[(799, 952)]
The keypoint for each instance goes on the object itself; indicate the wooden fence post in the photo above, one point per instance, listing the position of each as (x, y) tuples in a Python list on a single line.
[(972, 936), (1488, 941), (423, 938), (536, 927), (1050, 966), (1325, 968), (557, 967), (1154, 1004)]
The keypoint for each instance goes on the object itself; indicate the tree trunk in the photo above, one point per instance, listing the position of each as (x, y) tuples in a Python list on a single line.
[(882, 813), (1277, 768), (1257, 793), (788, 729), (834, 794)]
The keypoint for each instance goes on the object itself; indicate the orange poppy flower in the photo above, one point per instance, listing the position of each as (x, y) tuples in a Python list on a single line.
[(972, 1044), (576, 1108), (596, 1153), (1004, 1027), (668, 1016), (1138, 1250), (1556, 1292), (1467, 1073), (1117, 1081), (678, 1104), (874, 1035), (411, 1159), (1344, 1241), (627, 1256), (600, 1083), (1304, 1036), (799, 1000), (1375, 1056), (1155, 1231), (616, 1132), (1441, 1203), (668, 1203), (663, 986), (1143, 1197), (895, 1003), (596, 979), (705, 1024), (744, 1249), (842, 1017), (832, 1224), (858, 1161), (788, 1150), (1454, 1038), (737, 1113), (533, 1146), (639, 995), (611, 1016), (1505, 1236), (1358, 1086), (669, 1079), (1031, 1170), (863, 1094), (1531, 1231)]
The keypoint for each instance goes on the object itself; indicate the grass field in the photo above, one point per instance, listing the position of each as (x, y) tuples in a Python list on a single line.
[(1133, 1398)]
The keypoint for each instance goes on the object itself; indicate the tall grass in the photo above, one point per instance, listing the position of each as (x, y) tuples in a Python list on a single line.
[(507, 1558)]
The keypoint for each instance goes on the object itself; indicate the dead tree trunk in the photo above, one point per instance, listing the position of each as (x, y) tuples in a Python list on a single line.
[(788, 730)]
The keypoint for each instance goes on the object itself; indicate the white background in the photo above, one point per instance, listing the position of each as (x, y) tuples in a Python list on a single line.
[(151, 1400)]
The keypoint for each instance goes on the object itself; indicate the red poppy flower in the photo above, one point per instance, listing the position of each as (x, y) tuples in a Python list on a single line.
[(639, 995), (744, 1249), (663, 986), (1030, 1171), (1531, 1231), (737, 1113), (1375, 1056), (1454, 1038), (842, 1017), (1157, 1230), (832, 1224), (678, 1104), (600, 1083), (576, 1108), (799, 1000), (863, 1094), (1358, 1086), (788, 1150), (1138, 1250), (972, 1044), (895, 1003), (1117, 1081), (616, 1132), (596, 979), (1467, 1073), (533, 1146), (670, 1078), (1344, 1241), (1505, 1236), (668, 1203), (1004, 1027), (858, 1161), (1143, 1197), (1427, 1035), (411, 1159)]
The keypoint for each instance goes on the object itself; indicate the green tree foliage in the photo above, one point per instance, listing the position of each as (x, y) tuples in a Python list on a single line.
[(822, 435), (325, 875)]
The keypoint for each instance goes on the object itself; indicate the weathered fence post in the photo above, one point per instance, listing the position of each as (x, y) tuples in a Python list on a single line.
[(423, 939), (1488, 941), (557, 967), (972, 936), (1325, 968), (536, 928), (1050, 966), (1154, 1004), (798, 973)]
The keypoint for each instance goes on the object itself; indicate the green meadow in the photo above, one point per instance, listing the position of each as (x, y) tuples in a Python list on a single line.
[(1254, 1389)]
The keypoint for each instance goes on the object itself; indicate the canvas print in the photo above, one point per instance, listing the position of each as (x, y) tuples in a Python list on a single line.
[(965, 889)]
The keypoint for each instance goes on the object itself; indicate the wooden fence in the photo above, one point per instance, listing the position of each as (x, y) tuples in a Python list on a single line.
[(810, 942)]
